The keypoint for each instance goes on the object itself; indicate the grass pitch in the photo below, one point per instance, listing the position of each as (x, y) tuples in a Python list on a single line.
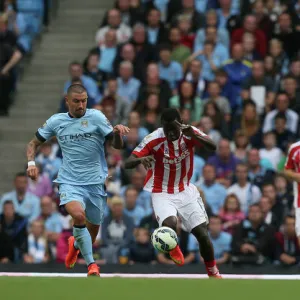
[(16, 288)]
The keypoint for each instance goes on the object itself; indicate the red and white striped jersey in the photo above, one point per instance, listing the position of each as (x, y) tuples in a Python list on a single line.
[(293, 163), (174, 161)]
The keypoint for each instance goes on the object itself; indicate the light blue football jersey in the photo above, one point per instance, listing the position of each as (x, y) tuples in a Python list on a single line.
[(82, 144)]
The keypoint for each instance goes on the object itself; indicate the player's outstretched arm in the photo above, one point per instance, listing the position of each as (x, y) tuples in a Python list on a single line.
[(118, 132), (32, 146), (133, 161)]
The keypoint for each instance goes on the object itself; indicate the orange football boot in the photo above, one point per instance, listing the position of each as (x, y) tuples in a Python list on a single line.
[(71, 257), (93, 270), (177, 256)]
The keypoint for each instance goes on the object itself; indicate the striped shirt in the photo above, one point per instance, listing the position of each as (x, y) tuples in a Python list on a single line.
[(173, 167)]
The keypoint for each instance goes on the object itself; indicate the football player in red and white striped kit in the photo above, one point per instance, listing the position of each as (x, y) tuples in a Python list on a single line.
[(292, 171), (168, 155)]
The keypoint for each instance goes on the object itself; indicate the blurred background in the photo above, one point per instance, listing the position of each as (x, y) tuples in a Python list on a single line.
[(232, 67)]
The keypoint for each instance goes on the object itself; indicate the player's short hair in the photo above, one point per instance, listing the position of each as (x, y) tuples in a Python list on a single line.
[(76, 88), (170, 115), (20, 174)]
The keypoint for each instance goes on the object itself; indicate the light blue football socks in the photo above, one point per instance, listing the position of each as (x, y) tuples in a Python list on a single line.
[(83, 242)]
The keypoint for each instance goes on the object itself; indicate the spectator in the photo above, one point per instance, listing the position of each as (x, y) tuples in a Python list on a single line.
[(287, 247), (187, 100), (224, 162), (91, 69), (270, 151), (128, 53), (279, 56), (295, 70), (186, 30), (15, 227), (76, 71), (199, 163), (253, 240), (26, 204), (282, 133), (238, 70), (144, 197), (114, 21), (210, 59), (51, 219), (131, 142), (214, 192), (265, 21), (250, 25), (132, 210), (214, 92), (271, 72), (212, 21), (145, 52), (156, 30), (116, 231), (194, 75), (6, 82), (142, 251), (225, 11), (284, 194), (179, 52), (206, 125), (246, 192), (282, 104), (221, 240), (149, 222), (155, 85), (49, 164), (6, 249), (121, 107), (241, 145), (150, 112), (37, 244), (189, 11), (134, 121), (231, 214), (269, 191), (211, 36), (128, 86), (108, 52), (259, 88), (169, 70), (290, 86), (42, 186), (268, 215), (129, 14), (258, 173), (248, 42), (286, 33), (212, 110), (226, 87)]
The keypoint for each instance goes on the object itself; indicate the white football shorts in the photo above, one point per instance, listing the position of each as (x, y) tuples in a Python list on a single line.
[(188, 205)]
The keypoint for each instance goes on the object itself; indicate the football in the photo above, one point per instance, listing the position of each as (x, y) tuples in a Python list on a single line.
[(164, 239)]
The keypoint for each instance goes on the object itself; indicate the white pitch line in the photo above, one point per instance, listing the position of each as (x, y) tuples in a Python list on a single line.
[(181, 276)]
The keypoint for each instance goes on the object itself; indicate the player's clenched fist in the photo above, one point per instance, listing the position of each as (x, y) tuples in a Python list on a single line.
[(147, 161), (32, 172), (121, 129)]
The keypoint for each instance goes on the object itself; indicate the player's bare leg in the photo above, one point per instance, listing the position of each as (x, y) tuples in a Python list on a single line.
[(206, 250), (82, 239), (175, 254)]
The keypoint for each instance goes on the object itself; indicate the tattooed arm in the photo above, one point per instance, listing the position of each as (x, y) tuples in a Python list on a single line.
[(32, 146)]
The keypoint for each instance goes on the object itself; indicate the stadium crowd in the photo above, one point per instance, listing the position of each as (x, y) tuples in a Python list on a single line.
[(232, 68)]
